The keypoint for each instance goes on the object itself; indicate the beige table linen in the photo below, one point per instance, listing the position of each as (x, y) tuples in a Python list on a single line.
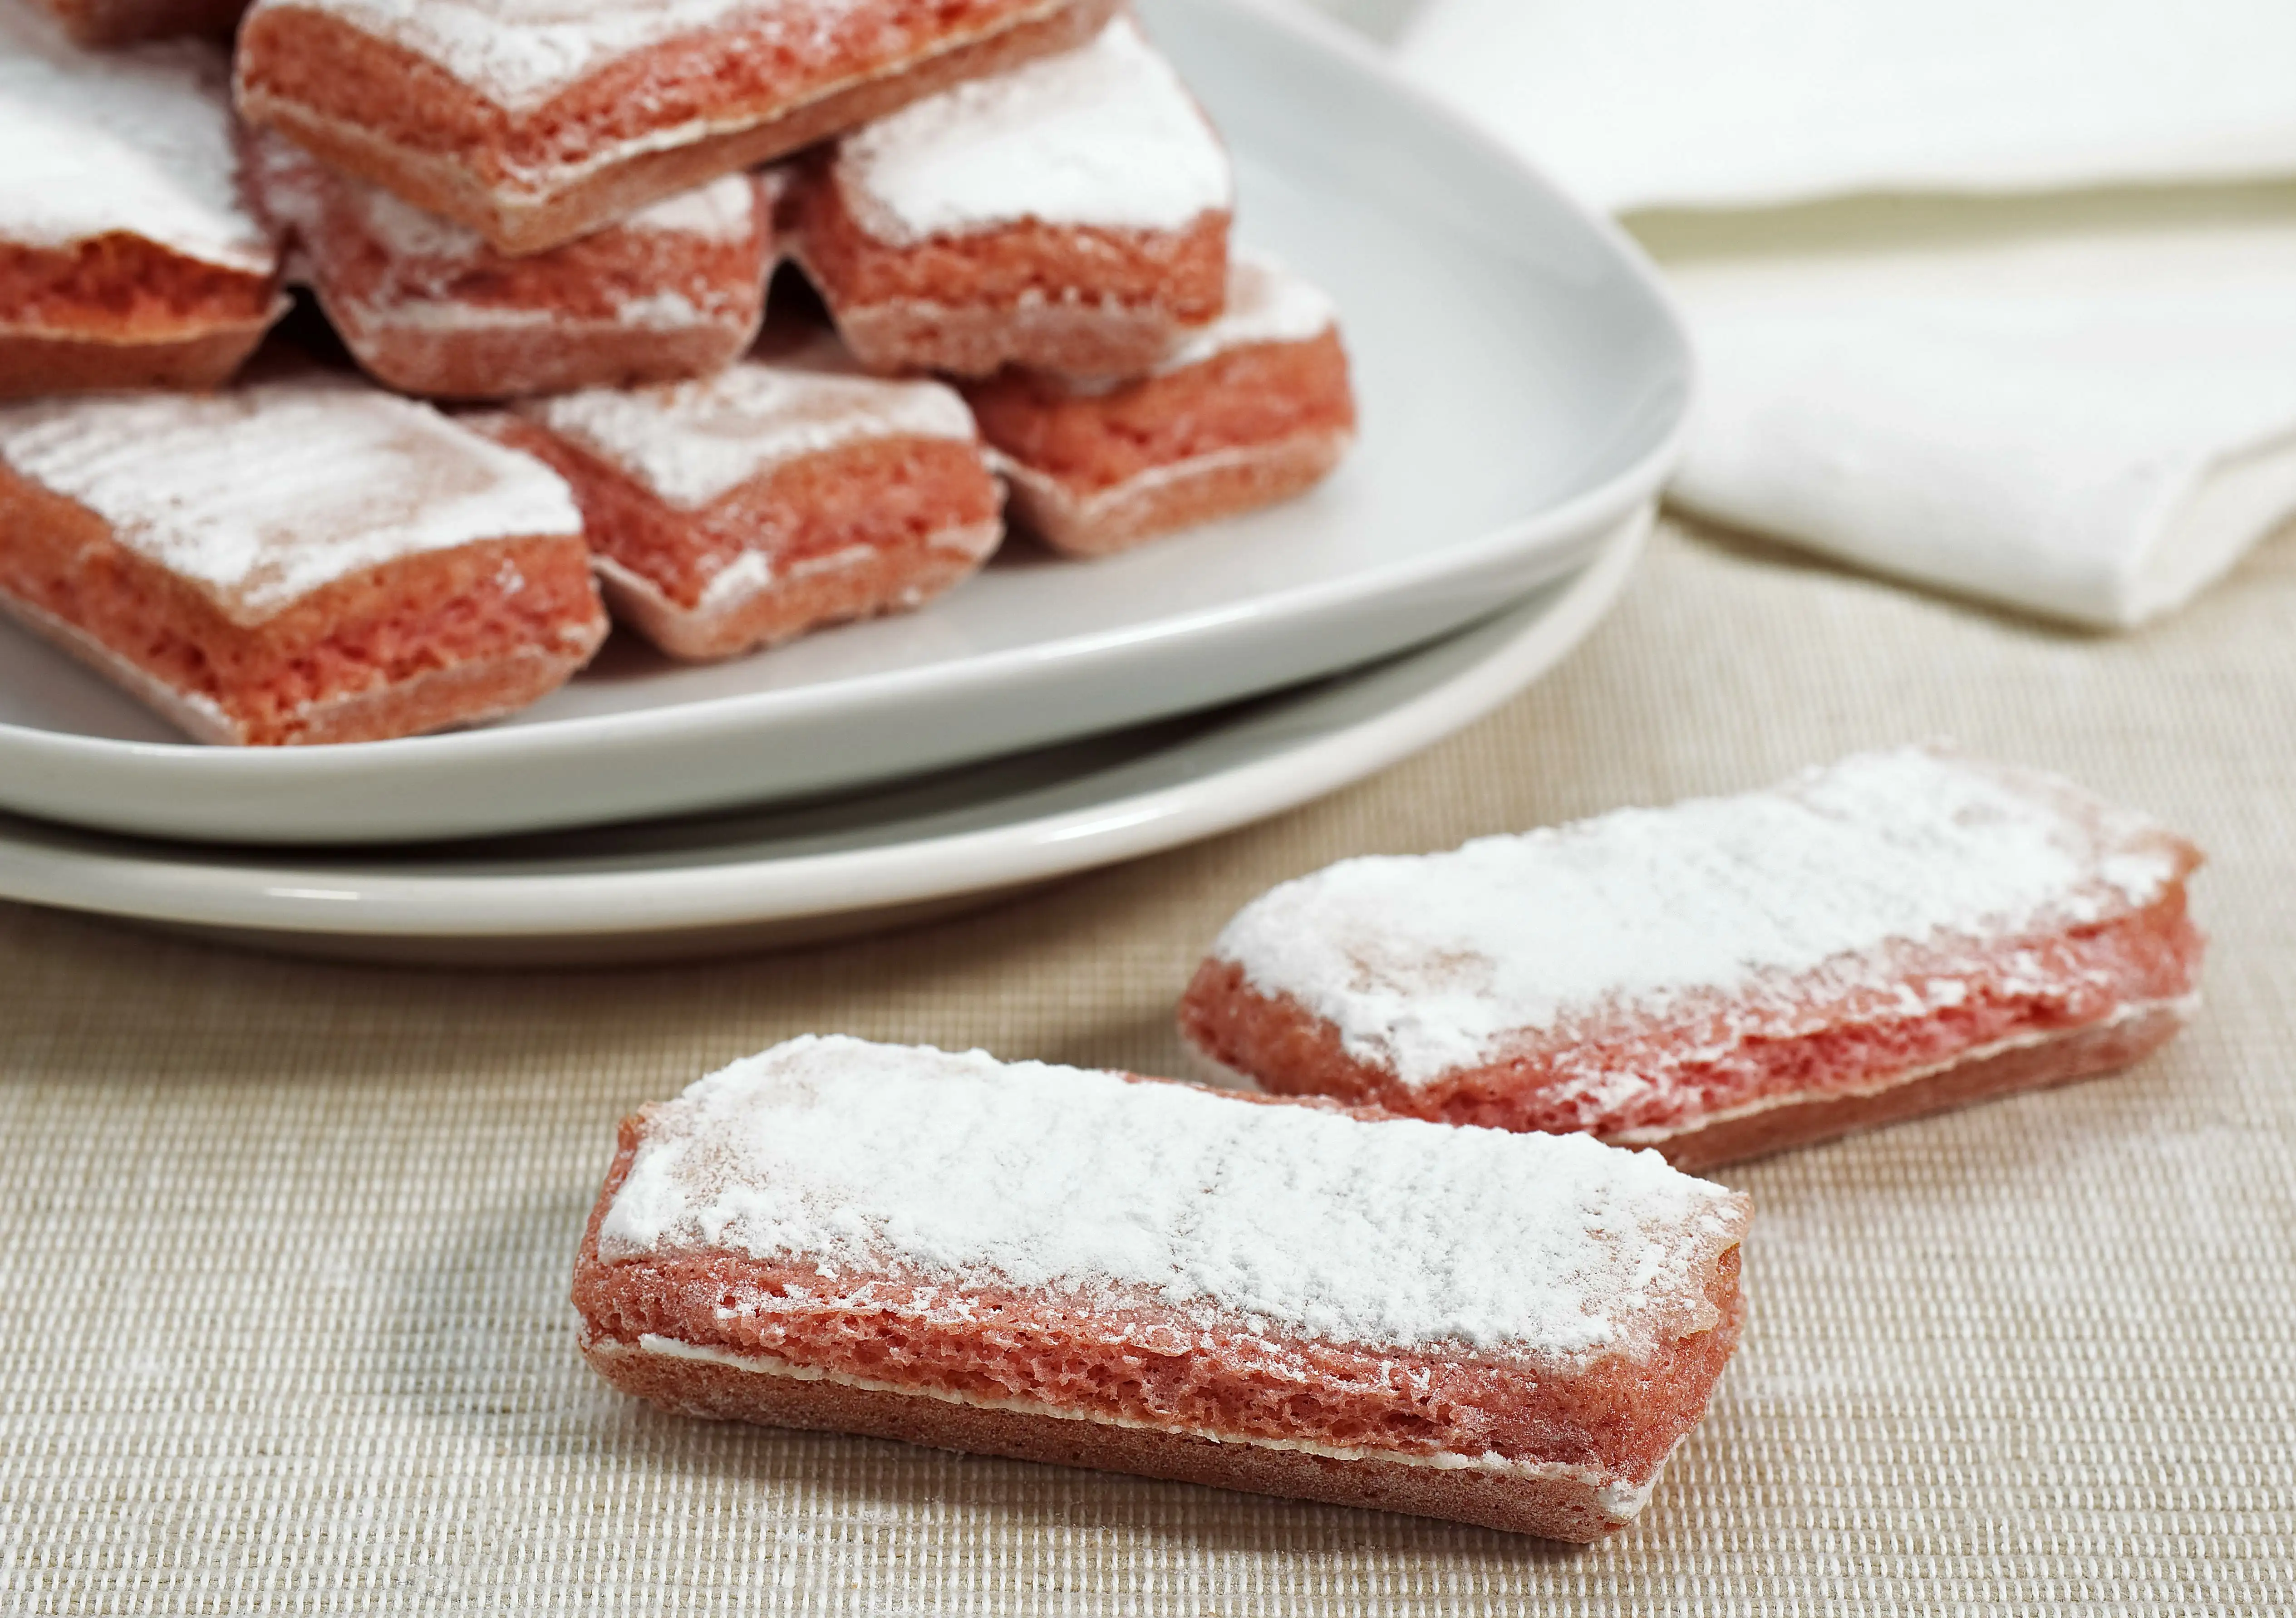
[(285, 1246)]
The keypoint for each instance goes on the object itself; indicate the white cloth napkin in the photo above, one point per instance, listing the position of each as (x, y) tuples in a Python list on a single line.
[(2082, 405)]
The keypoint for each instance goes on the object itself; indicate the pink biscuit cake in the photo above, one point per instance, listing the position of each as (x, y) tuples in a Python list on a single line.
[(536, 121), (1254, 409), (1897, 934), (297, 560), (101, 23), (676, 289), (1100, 1271), (128, 256), (774, 497), (1070, 216)]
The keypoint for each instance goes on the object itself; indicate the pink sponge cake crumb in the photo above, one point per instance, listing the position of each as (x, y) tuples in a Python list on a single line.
[(1071, 215), (128, 256), (534, 124), (1897, 934), (677, 289), (1255, 409), (299, 560), (1100, 1271), (774, 497)]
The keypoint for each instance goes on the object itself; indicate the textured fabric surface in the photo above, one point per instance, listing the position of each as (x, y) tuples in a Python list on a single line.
[(284, 1247)]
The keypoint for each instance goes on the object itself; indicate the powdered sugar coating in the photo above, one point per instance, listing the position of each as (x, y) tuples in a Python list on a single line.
[(851, 1156), (689, 443), (517, 53), (1428, 965), (261, 495), (136, 141), (726, 209), (1106, 135)]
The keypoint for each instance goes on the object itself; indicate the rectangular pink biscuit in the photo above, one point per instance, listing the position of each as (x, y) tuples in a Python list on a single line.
[(535, 127), (1068, 215), (128, 255), (1101, 1270), (676, 289), (1897, 934), (777, 496), (297, 560), (1254, 409)]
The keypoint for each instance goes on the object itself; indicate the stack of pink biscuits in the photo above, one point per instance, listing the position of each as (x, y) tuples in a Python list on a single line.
[(572, 217)]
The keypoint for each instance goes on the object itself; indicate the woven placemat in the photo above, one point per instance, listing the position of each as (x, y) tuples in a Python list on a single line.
[(285, 1246)]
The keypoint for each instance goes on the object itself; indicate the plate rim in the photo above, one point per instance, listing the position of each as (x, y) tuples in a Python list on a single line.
[(175, 886), (701, 721)]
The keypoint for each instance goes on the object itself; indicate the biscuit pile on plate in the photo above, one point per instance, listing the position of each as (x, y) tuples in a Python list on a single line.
[(544, 235)]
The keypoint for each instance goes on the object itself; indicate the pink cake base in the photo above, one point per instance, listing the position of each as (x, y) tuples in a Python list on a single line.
[(1567, 1505)]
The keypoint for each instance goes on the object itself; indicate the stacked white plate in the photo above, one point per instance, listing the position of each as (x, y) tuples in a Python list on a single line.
[(1523, 383)]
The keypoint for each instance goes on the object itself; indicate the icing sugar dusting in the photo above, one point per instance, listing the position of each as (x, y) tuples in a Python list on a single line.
[(1427, 965), (726, 209), (851, 1155), (264, 494), (691, 442), (519, 52), (1104, 135), (136, 141)]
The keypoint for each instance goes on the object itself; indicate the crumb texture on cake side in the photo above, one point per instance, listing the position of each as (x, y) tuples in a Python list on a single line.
[(1096, 1250)]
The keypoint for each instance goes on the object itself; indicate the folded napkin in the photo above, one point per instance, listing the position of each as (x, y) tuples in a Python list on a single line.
[(2083, 405)]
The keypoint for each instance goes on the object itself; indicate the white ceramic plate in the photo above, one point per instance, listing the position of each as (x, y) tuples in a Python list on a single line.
[(1522, 381), (784, 876)]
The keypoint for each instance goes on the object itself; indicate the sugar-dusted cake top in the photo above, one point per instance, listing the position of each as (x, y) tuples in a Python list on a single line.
[(689, 443), (260, 496), (1103, 136), (1427, 965), (846, 1156), (517, 53), (136, 141)]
